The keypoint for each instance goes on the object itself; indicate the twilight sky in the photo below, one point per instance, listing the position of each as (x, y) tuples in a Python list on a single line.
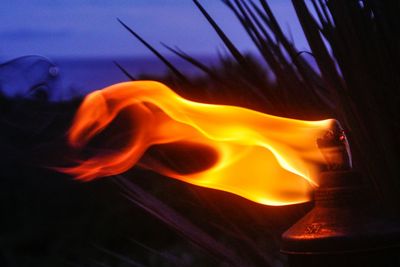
[(88, 28)]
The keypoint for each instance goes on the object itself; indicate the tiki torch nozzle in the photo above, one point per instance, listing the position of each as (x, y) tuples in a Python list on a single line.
[(335, 148)]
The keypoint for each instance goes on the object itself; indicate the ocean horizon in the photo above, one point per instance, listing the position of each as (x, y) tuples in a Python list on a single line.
[(78, 76), (89, 74)]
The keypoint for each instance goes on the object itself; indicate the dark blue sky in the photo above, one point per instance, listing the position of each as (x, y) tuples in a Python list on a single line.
[(88, 28)]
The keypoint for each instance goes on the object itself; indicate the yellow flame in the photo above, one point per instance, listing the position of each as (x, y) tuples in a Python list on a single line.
[(264, 158)]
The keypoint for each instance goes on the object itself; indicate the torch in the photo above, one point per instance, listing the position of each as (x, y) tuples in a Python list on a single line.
[(341, 229), (344, 228)]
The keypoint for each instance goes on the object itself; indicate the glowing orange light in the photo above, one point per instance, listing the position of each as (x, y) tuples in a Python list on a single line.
[(267, 159)]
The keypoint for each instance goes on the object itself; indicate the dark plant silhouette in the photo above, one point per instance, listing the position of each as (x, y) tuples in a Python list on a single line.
[(356, 79)]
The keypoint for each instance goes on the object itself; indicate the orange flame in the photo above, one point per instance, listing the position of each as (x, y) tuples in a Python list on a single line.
[(267, 159)]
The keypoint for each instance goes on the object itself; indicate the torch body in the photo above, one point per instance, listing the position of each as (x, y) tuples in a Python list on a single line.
[(345, 228)]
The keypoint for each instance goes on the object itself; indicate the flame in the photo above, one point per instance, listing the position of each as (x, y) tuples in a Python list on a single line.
[(267, 159)]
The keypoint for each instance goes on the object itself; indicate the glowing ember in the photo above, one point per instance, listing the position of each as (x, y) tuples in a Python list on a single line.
[(267, 159)]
